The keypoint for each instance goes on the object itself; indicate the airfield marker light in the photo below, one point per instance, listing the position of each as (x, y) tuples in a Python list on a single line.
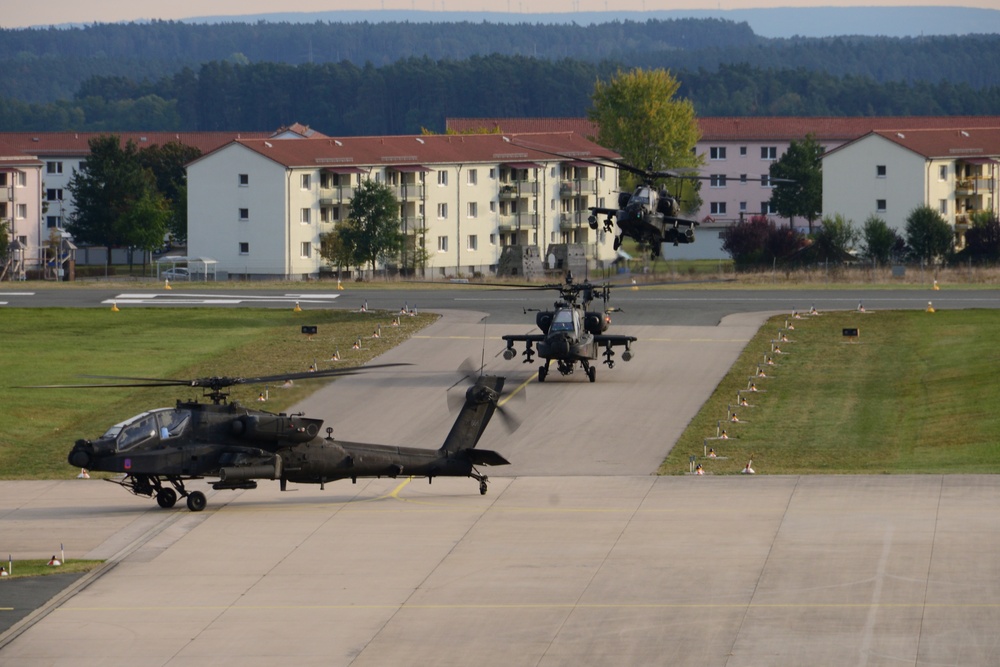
[(83, 474), (166, 283), (936, 286), (930, 307), (340, 285), (297, 308), (62, 553), (114, 306)]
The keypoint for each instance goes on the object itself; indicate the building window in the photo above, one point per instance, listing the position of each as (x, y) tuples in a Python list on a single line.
[(493, 239), (717, 153), (244, 214), (53, 194), (880, 205), (768, 152), (473, 209), (943, 206), (493, 173), (743, 178), (718, 208), (493, 207), (743, 207), (20, 179), (53, 167), (473, 177), (306, 251), (20, 211), (304, 216), (943, 173), (765, 181), (305, 181), (442, 244), (765, 207), (442, 177), (717, 180), (473, 242), (53, 221), (442, 210), (244, 179), (743, 151), (324, 214), (880, 171), (244, 248)]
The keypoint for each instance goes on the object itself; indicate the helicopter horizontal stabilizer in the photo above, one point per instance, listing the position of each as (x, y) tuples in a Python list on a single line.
[(486, 457)]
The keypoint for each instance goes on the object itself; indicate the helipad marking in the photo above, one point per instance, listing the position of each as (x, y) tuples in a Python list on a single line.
[(174, 298)]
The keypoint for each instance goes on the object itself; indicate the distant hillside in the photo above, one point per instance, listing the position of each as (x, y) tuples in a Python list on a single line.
[(774, 22)]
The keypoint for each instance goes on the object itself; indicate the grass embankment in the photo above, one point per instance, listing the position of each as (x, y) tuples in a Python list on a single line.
[(37, 568), (57, 346), (916, 393)]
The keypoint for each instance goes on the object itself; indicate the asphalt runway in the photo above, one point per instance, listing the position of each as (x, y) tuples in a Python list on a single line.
[(577, 555)]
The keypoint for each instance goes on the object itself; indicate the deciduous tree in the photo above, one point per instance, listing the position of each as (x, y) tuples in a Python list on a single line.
[(928, 235), (800, 192)]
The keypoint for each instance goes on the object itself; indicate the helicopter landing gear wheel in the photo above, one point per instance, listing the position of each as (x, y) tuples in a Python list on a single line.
[(592, 373), (482, 487), (196, 501), (542, 372), (166, 498)]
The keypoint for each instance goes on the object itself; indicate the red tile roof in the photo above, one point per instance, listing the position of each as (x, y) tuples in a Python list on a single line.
[(747, 128), (427, 149), (967, 142), (76, 143)]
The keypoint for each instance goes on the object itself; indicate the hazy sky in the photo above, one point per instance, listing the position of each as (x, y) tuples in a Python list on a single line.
[(18, 14)]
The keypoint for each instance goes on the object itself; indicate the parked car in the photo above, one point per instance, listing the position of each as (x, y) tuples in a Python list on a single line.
[(179, 273)]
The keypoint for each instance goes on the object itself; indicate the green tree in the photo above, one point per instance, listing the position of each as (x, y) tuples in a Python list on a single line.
[(167, 163), (639, 118), (928, 235), (337, 246), (800, 190), (982, 239), (374, 216), (117, 204), (834, 240), (879, 241)]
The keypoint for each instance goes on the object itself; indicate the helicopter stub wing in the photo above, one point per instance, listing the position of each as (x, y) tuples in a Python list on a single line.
[(614, 339), (524, 338), (680, 221)]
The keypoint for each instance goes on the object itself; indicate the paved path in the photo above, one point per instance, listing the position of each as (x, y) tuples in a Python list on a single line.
[(577, 555)]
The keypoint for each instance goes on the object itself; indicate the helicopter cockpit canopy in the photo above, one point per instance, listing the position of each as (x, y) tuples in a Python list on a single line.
[(643, 195), (565, 321), (164, 423)]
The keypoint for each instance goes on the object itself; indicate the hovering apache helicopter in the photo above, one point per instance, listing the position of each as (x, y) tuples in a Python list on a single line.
[(166, 447), (572, 334), (650, 215)]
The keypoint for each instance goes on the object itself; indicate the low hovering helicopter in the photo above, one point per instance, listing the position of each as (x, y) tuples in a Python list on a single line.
[(571, 333), (647, 215), (650, 215), (159, 450)]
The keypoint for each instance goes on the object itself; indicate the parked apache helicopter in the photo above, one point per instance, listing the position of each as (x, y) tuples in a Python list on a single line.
[(650, 215), (166, 447), (571, 333)]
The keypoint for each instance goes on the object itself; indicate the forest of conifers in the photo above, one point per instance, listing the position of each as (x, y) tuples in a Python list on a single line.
[(399, 78)]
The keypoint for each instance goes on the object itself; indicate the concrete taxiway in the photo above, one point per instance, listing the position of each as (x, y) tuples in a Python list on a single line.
[(577, 555)]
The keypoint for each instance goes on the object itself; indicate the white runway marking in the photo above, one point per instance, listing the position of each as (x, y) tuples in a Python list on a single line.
[(178, 299)]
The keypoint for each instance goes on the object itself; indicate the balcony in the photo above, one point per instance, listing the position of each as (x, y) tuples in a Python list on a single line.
[(340, 194), (578, 187), (518, 189), (970, 186)]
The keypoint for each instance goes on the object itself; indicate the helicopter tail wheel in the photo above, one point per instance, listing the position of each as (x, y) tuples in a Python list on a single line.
[(482, 486), (166, 498), (196, 501)]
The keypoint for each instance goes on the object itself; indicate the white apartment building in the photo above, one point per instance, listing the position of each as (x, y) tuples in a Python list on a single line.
[(890, 173), (258, 207)]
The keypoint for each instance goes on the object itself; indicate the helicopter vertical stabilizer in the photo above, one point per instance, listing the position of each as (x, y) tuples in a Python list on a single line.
[(480, 404)]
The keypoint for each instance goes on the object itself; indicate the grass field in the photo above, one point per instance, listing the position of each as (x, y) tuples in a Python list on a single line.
[(916, 392), (57, 346)]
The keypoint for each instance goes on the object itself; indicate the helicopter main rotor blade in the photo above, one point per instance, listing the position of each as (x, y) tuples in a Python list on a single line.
[(213, 382)]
